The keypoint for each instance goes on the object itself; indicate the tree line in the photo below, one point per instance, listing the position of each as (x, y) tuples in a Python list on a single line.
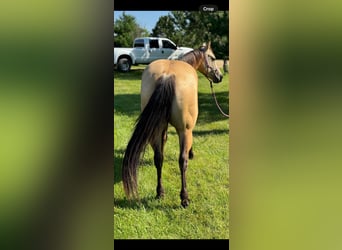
[(185, 28)]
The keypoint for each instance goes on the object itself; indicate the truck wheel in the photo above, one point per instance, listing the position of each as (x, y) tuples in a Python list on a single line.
[(124, 65)]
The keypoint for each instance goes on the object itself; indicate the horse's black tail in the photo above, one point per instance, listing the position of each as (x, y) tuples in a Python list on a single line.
[(150, 123)]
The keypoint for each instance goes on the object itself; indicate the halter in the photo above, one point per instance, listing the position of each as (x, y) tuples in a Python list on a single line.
[(207, 63), (207, 66), (211, 83)]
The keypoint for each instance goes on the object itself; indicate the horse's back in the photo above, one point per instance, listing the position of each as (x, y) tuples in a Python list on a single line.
[(170, 66), (183, 72)]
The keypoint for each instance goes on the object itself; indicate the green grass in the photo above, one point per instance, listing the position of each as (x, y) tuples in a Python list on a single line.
[(207, 216)]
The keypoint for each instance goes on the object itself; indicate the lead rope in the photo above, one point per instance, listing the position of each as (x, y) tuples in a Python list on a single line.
[(214, 96), (211, 87)]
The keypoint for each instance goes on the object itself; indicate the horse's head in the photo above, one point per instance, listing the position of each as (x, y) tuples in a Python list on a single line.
[(209, 67)]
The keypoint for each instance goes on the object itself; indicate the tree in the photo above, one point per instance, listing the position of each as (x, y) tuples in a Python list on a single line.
[(192, 28), (126, 30), (164, 27)]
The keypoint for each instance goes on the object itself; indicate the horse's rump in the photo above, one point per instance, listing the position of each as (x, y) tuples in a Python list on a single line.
[(185, 104)]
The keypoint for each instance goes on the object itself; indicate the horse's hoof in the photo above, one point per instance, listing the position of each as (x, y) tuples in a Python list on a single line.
[(160, 193), (185, 203), (160, 196)]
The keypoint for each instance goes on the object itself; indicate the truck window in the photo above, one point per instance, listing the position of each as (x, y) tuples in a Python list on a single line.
[(154, 43), (168, 45), (138, 43)]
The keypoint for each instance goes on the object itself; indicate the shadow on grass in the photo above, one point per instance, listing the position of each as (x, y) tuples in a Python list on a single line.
[(134, 74), (210, 132), (205, 132), (208, 111), (128, 104), (149, 203)]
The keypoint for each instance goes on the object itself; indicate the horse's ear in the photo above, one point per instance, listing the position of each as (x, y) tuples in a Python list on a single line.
[(204, 47), (209, 45)]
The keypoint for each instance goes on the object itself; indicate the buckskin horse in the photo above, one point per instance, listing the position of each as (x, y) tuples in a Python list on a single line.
[(168, 96)]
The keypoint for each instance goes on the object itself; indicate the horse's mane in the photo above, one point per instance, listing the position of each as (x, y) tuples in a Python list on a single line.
[(192, 57)]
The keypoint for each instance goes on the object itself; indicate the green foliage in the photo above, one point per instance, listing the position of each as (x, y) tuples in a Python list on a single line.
[(126, 30), (192, 28), (207, 217), (164, 28)]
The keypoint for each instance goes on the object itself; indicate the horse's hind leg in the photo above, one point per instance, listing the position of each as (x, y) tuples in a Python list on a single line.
[(158, 148), (191, 154), (185, 142)]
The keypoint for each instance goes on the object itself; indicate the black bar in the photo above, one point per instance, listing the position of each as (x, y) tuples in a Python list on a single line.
[(169, 5), (171, 244)]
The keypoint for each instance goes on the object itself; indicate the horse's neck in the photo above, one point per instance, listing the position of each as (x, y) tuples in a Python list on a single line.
[(195, 62)]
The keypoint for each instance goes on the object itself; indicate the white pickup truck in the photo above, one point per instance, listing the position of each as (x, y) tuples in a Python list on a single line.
[(145, 50)]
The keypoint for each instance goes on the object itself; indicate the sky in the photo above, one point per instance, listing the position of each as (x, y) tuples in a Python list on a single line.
[(145, 19)]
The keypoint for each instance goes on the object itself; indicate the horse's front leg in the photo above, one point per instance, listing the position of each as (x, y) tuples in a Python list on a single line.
[(185, 141)]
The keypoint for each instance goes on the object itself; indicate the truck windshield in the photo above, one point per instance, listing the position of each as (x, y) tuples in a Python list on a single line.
[(168, 45)]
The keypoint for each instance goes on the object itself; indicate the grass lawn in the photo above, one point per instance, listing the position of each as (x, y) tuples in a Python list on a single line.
[(207, 216)]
